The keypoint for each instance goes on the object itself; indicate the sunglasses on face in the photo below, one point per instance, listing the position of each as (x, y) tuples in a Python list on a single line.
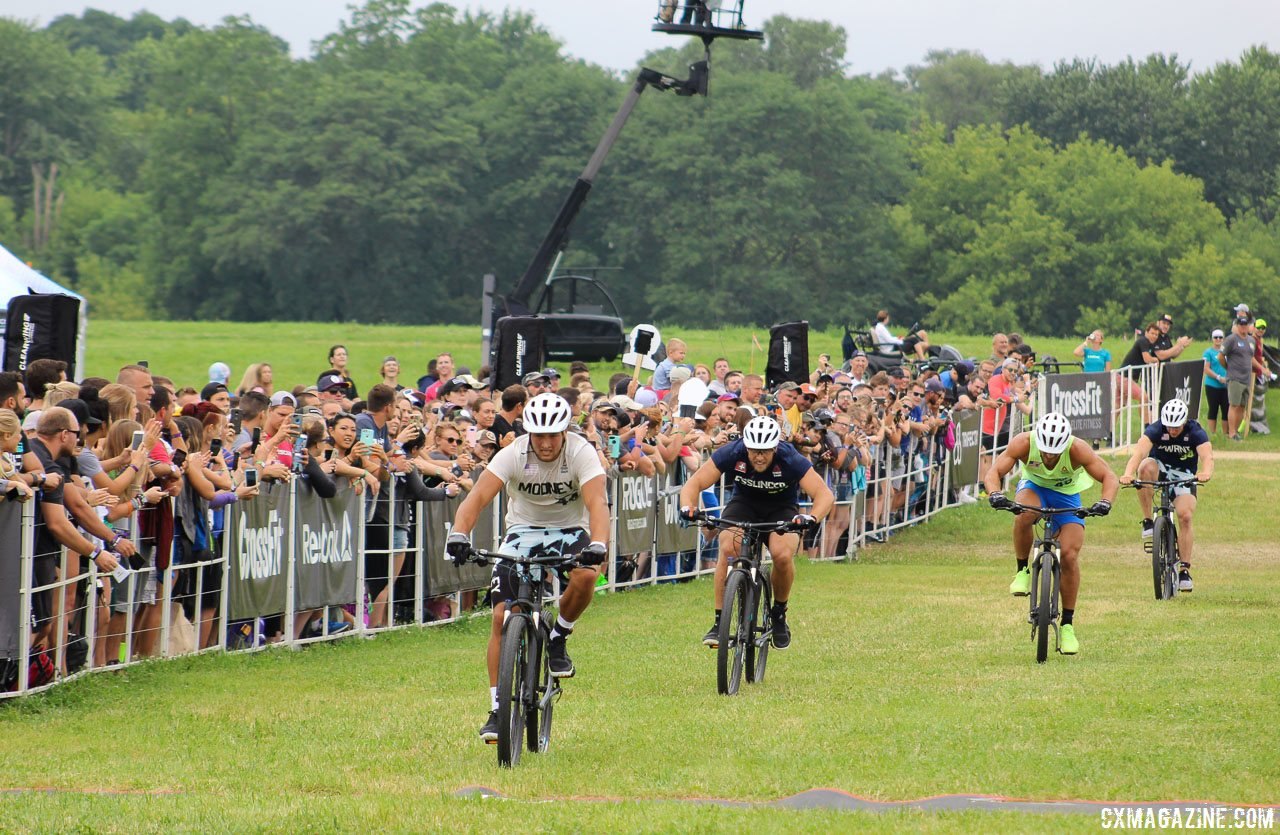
[(450, 440)]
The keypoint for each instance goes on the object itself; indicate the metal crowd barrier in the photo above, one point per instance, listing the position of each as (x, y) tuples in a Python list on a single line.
[(269, 550)]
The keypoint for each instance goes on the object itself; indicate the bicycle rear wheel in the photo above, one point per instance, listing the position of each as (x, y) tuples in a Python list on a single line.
[(513, 665), (1042, 588), (1158, 557), (761, 630), (734, 633), (541, 688)]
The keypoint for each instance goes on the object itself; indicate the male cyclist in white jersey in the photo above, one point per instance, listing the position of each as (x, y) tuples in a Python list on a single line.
[(1178, 448), (767, 474), (556, 503), (1056, 468)]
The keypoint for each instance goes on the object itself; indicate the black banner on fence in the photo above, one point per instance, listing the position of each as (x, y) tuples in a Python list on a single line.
[(10, 579), (788, 354), (328, 544), (257, 582), (518, 346), (1084, 399), (635, 514), (672, 537), (1183, 380), (41, 326), (965, 454), (443, 577)]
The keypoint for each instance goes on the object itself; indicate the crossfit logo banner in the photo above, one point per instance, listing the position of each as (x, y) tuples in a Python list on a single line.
[(1084, 399)]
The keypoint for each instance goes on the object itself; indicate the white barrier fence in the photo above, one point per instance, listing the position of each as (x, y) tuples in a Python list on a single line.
[(294, 569)]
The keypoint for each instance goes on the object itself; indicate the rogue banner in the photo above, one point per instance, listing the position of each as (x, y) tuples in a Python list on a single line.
[(635, 513)]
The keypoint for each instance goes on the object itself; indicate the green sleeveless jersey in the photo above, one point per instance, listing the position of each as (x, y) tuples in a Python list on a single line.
[(1063, 477)]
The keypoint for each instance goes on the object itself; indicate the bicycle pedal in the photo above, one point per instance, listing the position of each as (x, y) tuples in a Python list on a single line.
[(1146, 546), (490, 742)]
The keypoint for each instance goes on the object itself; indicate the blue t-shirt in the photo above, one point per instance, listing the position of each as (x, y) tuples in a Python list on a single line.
[(662, 374), (1211, 356), (1180, 452), (1096, 360), (364, 420), (779, 485)]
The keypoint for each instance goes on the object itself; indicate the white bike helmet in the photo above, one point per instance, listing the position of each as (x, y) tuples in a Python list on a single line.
[(1053, 433), (761, 432), (1173, 413), (546, 414)]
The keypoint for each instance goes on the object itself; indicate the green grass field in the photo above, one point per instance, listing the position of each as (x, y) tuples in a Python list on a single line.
[(911, 674)]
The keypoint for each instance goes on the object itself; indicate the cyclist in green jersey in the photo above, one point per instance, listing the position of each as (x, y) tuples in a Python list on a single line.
[(1056, 468)]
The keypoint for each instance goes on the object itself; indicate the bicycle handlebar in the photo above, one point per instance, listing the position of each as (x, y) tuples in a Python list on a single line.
[(1175, 482), (704, 518), (1016, 508), (480, 555)]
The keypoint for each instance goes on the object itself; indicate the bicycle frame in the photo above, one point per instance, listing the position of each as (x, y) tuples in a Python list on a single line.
[(1045, 548), (1165, 561)]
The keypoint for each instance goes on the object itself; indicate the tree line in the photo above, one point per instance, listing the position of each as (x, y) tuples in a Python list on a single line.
[(171, 170)]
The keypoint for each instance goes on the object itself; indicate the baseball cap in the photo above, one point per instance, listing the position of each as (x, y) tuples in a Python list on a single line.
[(327, 382), (626, 402), (964, 367), (534, 376), (1011, 362), (606, 405), (1243, 319), (898, 372), (416, 398), (211, 389), (80, 409), (219, 372), (809, 390), (934, 384), (679, 374), (728, 395), (283, 398), (1167, 318), (827, 377), (1241, 308), (551, 373), (484, 436), (1259, 323), (467, 380), (646, 397), (857, 354), (787, 386), (1217, 333)]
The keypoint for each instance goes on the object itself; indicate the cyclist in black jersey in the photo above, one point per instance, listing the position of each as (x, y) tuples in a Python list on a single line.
[(767, 476), (1174, 447)]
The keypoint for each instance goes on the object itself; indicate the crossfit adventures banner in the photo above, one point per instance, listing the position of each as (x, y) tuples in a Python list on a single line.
[(1084, 399), (258, 553), (443, 577), (965, 454), (672, 536), (328, 543)]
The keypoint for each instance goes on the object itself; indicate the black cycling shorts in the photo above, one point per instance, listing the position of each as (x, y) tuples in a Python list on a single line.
[(741, 510), (530, 541)]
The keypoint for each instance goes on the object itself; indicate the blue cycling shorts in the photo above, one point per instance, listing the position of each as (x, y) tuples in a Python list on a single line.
[(1054, 499)]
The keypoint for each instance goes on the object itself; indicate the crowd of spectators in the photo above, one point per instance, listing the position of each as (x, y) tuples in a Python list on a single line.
[(137, 472)]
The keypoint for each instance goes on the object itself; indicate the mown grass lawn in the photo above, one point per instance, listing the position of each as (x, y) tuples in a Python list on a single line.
[(911, 675)]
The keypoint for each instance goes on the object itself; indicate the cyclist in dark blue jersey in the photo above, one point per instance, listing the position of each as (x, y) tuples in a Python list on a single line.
[(767, 477), (1174, 447)]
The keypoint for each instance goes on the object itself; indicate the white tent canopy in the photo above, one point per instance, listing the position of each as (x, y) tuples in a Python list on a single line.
[(17, 279)]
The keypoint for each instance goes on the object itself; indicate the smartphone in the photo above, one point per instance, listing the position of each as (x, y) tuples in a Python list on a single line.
[(366, 437), (471, 435), (215, 446), (615, 446), (179, 456), (328, 455), (250, 478), (137, 439), (257, 438), (237, 420)]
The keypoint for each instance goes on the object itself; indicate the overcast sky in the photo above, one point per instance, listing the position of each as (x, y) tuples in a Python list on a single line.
[(615, 33)]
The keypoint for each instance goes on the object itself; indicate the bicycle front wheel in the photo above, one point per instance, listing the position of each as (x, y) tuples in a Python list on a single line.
[(1170, 559), (513, 665), (1159, 542), (734, 633), (1043, 591), (761, 630)]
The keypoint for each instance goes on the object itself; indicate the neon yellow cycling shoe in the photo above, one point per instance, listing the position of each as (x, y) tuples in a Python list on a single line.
[(1021, 585), (1067, 643)]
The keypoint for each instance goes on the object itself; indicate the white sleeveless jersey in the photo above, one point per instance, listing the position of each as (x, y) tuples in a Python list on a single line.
[(546, 494)]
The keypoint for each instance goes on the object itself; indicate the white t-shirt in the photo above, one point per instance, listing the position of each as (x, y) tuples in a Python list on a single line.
[(884, 339), (546, 494)]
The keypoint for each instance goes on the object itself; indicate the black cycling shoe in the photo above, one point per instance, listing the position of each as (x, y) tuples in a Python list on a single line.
[(558, 659), (489, 730), (711, 640), (781, 633)]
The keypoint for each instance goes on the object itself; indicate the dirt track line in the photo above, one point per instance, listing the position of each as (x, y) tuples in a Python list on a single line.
[(821, 798)]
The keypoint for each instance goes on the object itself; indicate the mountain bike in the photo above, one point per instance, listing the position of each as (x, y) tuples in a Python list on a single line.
[(746, 621), (1046, 572), (527, 692), (1165, 558)]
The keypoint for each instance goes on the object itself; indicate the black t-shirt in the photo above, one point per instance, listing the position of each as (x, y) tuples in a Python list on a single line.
[(501, 427), (1141, 344), (779, 485), (1180, 452), (46, 545)]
